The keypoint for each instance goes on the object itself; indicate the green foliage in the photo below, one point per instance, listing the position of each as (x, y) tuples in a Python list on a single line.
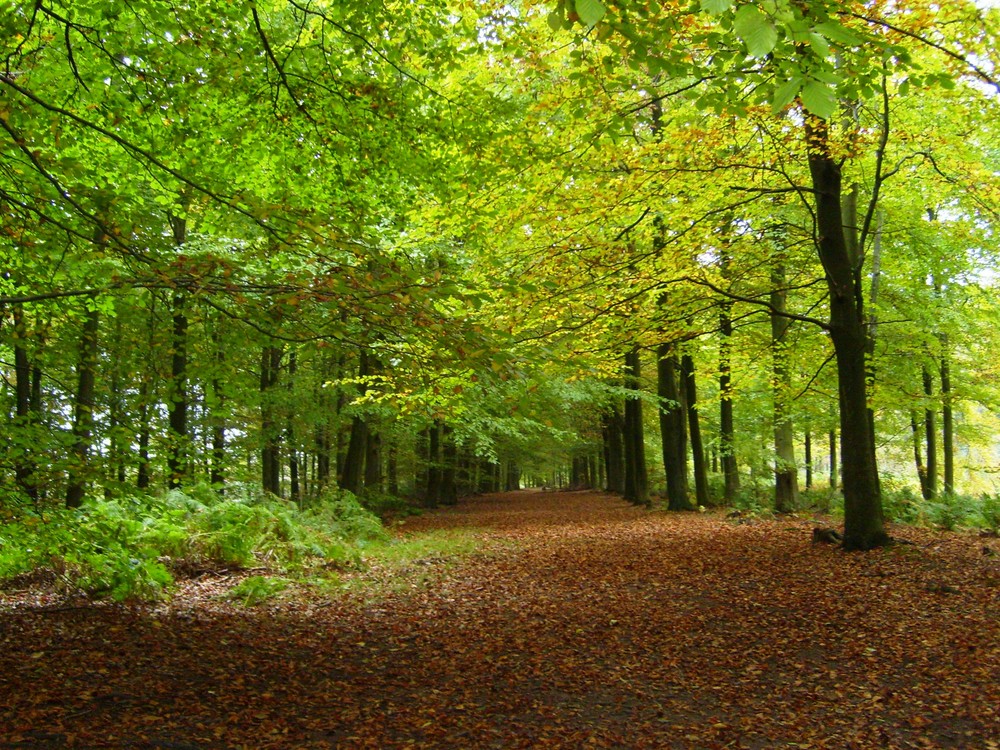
[(989, 511), (901, 504), (951, 510), (257, 589), (124, 548)]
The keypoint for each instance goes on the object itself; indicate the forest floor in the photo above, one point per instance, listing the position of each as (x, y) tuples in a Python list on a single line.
[(582, 623)]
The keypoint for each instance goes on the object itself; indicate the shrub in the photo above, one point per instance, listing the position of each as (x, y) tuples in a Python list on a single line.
[(122, 548), (951, 510), (989, 512), (257, 589)]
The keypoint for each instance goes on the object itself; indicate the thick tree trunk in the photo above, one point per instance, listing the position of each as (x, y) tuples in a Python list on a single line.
[(614, 459), (694, 426), (930, 433), (83, 420), (636, 478), (864, 526), (672, 429), (786, 482), (432, 494)]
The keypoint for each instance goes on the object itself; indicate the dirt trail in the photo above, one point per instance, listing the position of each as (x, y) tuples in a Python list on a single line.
[(586, 623)]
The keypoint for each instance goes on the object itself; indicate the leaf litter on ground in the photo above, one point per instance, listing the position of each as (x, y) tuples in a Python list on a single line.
[(581, 622)]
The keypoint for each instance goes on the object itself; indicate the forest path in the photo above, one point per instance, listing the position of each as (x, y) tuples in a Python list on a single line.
[(584, 623)]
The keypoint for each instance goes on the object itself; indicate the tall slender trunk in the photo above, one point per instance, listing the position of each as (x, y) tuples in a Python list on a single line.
[(786, 482), (672, 429), (449, 457), (694, 426), (930, 434), (83, 420), (294, 489), (917, 431), (24, 467), (178, 445), (834, 468), (270, 453), (217, 475), (864, 526), (809, 459), (727, 447), (636, 478), (947, 422), (352, 475)]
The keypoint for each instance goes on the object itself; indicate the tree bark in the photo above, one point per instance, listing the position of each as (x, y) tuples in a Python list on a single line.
[(786, 482), (636, 478), (864, 526), (177, 408), (930, 434), (727, 443), (614, 459), (352, 475), (947, 424), (694, 426), (916, 430), (24, 467), (672, 429), (270, 456), (83, 420), (809, 458)]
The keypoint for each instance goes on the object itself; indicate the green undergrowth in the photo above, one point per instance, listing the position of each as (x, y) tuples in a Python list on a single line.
[(900, 503), (132, 547)]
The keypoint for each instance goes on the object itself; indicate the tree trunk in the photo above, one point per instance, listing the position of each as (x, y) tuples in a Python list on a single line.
[(809, 460), (352, 475), (294, 489), (270, 456), (432, 495), (83, 420), (373, 461), (614, 459), (834, 469), (636, 478), (915, 429), (930, 433), (947, 425), (24, 466), (726, 430), (217, 476), (449, 457), (786, 481), (694, 426), (864, 526), (672, 429), (177, 408)]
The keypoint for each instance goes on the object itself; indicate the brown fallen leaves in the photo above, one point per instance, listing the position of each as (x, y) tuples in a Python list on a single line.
[(604, 626)]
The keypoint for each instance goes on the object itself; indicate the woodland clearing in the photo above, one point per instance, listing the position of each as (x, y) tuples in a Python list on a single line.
[(581, 622)]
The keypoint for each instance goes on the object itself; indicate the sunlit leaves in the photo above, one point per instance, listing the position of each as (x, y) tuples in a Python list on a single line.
[(755, 29)]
